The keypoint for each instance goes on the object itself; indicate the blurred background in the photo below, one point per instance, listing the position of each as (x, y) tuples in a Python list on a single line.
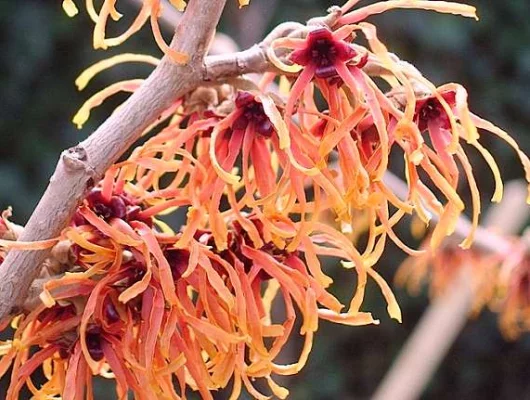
[(43, 51)]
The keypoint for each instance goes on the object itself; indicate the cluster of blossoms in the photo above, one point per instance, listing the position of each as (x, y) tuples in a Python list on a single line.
[(499, 281), (273, 176)]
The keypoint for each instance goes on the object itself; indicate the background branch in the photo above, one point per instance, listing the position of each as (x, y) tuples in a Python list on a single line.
[(80, 167), (447, 315)]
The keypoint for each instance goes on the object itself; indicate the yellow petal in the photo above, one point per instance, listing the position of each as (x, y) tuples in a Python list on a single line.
[(86, 76), (70, 8)]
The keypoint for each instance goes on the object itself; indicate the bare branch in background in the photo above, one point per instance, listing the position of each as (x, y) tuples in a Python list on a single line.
[(446, 316)]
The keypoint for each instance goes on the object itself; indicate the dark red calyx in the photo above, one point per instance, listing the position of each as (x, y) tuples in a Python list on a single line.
[(323, 52), (430, 109), (178, 260), (118, 206), (57, 313), (115, 207), (110, 312), (241, 237), (133, 272), (252, 113), (66, 343), (93, 341)]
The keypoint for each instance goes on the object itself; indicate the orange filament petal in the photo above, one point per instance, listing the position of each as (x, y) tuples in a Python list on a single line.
[(392, 306), (36, 245), (86, 76), (84, 112), (176, 56), (70, 8), (380, 7)]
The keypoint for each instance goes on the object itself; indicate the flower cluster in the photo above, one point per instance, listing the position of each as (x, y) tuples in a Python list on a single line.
[(499, 281), (273, 177)]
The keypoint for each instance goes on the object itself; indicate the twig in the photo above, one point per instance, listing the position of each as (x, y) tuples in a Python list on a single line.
[(248, 61), (447, 315), (81, 166)]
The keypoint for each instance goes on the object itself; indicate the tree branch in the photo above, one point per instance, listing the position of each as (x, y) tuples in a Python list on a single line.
[(81, 166), (252, 60)]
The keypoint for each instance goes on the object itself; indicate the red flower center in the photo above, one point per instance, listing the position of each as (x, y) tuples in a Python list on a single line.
[(322, 52), (119, 206), (93, 341), (252, 113), (178, 260), (431, 109)]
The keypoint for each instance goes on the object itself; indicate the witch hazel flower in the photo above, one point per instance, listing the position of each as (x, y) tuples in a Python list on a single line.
[(444, 116), (499, 282), (362, 124), (439, 269), (323, 55), (164, 319), (355, 106)]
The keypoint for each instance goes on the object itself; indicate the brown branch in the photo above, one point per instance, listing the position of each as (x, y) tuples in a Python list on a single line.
[(252, 60), (447, 315), (81, 166)]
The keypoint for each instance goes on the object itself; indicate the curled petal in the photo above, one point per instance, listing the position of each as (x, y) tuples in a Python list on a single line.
[(84, 112), (86, 76)]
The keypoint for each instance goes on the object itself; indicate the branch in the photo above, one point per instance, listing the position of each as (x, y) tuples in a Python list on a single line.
[(447, 315), (81, 166), (252, 60)]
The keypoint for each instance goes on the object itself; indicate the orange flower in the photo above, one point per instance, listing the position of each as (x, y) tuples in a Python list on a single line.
[(439, 269), (512, 300), (362, 125), (137, 304)]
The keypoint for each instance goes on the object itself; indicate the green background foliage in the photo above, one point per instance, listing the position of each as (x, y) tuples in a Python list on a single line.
[(43, 51)]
